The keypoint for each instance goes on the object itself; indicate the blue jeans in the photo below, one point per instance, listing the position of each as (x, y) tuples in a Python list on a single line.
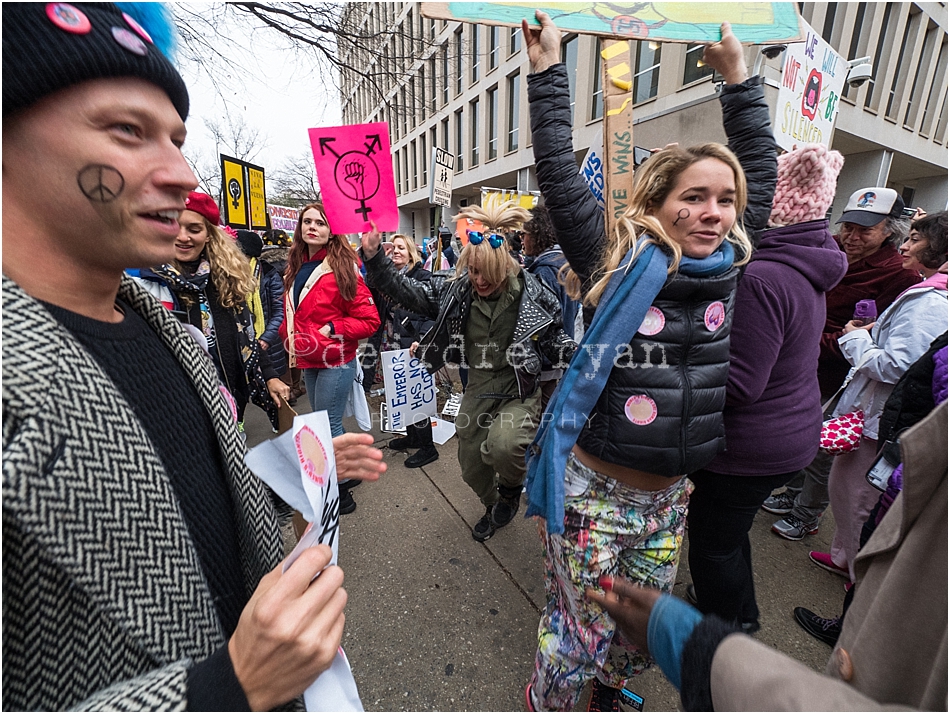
[(329, 389)]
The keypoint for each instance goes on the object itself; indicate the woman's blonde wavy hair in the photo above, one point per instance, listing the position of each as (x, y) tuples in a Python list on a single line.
[(652, 184), (496, 264), (411, 248), (230, 269)]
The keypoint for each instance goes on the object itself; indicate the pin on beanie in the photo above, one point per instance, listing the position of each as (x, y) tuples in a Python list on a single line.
[(51, 46), (807, 177)]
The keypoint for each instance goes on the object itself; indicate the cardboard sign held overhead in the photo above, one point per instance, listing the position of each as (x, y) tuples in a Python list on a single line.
[(752, 22), (813, 78), (355, 170), (255, 195)]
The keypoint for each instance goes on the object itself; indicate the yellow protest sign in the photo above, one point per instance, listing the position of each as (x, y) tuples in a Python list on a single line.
[(255, 192), (235, 192)]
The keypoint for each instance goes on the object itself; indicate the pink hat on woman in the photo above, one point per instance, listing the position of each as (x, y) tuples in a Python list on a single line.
[(807, 177)]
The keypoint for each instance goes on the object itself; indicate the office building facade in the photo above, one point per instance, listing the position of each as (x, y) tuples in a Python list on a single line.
[(462, 88)]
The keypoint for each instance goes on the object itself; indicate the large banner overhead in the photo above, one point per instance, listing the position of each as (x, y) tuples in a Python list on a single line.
[(752, 22)]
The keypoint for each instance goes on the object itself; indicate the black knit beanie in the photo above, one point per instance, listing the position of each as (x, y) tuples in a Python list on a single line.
[(251, 243), (51, 46)]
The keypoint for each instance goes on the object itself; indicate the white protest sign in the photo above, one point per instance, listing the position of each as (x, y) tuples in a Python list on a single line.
[(813, 77), (440, 190), (410, 389), (301, 467), (593, 172), (283, 218)]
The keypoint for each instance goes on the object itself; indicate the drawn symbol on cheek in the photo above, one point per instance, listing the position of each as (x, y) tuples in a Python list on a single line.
[(683, 213), (100, 183)]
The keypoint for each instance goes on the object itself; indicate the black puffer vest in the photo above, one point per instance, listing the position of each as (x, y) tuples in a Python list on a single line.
[(661, 409)]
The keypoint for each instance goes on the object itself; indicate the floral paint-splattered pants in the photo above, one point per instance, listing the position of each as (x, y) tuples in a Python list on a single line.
[(609, 529)]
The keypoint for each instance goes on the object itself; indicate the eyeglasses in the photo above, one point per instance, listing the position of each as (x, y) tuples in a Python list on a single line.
[(495, 240)]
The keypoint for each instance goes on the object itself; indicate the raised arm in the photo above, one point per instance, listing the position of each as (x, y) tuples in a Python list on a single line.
[(748, 127), (417, 296), (578, 220)]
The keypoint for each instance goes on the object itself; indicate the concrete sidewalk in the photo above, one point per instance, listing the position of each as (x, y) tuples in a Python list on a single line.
[(439, 622)]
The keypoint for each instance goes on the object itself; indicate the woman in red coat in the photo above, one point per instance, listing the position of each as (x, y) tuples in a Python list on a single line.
[(328, 311)]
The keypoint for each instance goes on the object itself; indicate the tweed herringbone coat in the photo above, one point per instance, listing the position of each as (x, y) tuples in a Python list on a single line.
[(105, 604)]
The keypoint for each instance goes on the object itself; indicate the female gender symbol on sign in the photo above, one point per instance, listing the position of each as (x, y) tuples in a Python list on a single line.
[(355, 172)]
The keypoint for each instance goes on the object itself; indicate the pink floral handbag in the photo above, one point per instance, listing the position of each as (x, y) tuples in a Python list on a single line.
[(842, 434)]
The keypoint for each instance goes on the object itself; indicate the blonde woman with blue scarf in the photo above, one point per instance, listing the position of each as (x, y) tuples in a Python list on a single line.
[(640, 405)]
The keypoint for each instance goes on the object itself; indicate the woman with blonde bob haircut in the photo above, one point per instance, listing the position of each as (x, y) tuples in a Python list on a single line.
[(640, 405), (208, 284), (498, 320)]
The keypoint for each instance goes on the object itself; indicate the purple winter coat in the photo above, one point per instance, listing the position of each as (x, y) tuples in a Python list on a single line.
[(773, 406)]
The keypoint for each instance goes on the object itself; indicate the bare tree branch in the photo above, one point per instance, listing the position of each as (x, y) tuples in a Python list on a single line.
[(295, 182)]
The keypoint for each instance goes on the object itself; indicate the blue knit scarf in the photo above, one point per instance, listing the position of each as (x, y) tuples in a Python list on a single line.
[(619, 314)]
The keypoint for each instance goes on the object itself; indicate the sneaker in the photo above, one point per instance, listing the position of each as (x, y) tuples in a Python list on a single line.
[(794, 528), (603, 698), (425, 455), (347, 504), (528, 700), (484, 529), (826, 629), (780, 505), (507, 506), (823, 560)]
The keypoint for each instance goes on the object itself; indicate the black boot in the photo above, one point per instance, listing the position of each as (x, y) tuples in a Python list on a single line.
[(411, 440), (427, 452), (425, 455), (507, 506), (347, 504)]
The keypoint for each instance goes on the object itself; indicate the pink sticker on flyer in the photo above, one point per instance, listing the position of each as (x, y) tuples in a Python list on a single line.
[(715, 316), (653, 322), (312, 455), (640, 409)]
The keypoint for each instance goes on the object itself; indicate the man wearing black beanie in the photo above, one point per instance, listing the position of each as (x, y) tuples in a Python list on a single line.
[(141, 559)]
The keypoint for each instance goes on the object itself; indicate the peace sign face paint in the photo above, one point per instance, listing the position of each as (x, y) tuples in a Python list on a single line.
[(100, 183)]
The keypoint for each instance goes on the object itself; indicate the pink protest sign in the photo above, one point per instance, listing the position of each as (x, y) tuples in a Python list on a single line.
[(356, 176)]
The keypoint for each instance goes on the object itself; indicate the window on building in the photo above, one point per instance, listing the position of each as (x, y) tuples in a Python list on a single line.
[(901, 70), (414, 163), (695, 69), (398, 172), (870, 99), (858, 39), (410, 29), (829, 25), (514, 40), (459, 73), (493, 123), (475, 52), (493, 48), (646, 76), (405, 167), (433, 104), (424, 158), (412, 107), (514, 110), (569, 58), (596, 81), (473, 129), (459, 142), (927, 59), (933, 97), (404, 110), (445, 73), (445, 136)]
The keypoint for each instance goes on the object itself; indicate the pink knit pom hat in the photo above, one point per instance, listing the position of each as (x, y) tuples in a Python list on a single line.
[(806, 184)]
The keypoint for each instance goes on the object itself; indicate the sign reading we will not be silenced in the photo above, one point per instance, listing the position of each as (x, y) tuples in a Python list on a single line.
[(813, 77), (410, 389)]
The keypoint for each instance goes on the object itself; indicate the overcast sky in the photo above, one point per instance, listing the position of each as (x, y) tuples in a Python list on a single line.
[(273, 87)]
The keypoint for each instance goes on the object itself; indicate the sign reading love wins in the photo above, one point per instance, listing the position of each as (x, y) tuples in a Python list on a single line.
[(355, 170)]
